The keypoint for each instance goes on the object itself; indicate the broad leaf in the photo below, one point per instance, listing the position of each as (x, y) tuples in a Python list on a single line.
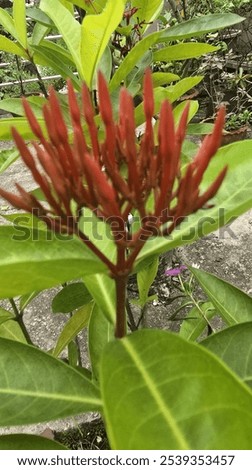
[(15, 105), (102, 289), (234, 305), (233, 199), (162, 392), (96, 31), (183, 51), (28, 442), (200, 25), (163, 78), (75, 324), (5, 315), (233, 346), (70, 298), (36, 387), (21, 126), (38, 259), (19, 18)]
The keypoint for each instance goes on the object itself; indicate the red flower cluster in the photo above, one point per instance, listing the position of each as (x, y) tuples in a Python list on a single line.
[(114, 175)]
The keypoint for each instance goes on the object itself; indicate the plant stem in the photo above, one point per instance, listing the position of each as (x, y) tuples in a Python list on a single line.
[(121, 284), (19, 318)]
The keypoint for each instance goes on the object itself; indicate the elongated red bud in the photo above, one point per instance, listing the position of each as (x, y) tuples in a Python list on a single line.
[(35, 127), (148, 95)]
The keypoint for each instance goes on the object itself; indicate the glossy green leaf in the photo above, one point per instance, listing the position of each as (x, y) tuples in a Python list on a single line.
[(194, 323), (145, 278), (178, 110), (162, 392), (7, 45), (7, 157), (163, 78), (200, 25), (28, 442), (75, 324), (38, 34), (100, 332), (233, 346), (36, 387), (183, 51), (10, 329), (51, 47), (39, 16), (71, 297), (233, 199), (148, 11), (19, 18), (38, 259), (68, 26), (234, 305), (96, 31)]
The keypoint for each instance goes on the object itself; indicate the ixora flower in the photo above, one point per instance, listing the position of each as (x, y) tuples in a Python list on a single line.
[(100, 165), (175, 271)]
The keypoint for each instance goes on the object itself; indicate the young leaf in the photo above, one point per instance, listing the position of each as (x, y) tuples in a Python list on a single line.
[(234, 305), (194, 323), (70, 298), (162, 392), (10, 329), (19, 18), (233, 346), (36, 387), (37, 259), (100, 332), (12, 47), (7, 23), (28, 442), (71, 329), (96, 31), (145, 278)]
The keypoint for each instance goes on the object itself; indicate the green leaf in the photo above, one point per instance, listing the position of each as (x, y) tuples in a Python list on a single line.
[(5, 315), (162, 392), (15, 105), (19, 18), (7, 23), (10, 329), (102, 289), (194, 323), (233, 346), (200, 25), (145, 278), (38, 33), (39, 16), (71, 329), (96, 31), (199, 128), (148, 11), (183, 51), (233, 199), (234, 305), (25, 300), (28, 442), (67, 26), (7, 157), (38, 259), (100, 332), (21, 126), (172, 93), (178, 110), (36, 387), (70, 298), (12, 47), (163, 78), (51, 47)]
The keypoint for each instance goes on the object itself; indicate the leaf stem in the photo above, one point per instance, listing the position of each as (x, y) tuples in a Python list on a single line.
[(19, 319)]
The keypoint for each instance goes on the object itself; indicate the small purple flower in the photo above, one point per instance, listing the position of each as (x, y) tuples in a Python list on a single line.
[(175, 271)]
